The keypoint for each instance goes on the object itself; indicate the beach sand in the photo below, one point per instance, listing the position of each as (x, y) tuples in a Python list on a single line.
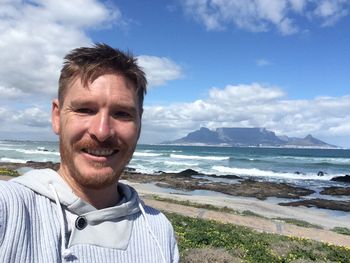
[(270, 211)]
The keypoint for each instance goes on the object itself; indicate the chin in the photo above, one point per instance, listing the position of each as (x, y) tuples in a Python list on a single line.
[(97, 178)]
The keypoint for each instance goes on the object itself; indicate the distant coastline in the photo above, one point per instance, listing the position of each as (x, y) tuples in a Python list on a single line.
[(250, 146), (248, 137)]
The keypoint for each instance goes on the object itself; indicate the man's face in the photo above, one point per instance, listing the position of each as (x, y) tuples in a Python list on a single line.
[(98, 127)]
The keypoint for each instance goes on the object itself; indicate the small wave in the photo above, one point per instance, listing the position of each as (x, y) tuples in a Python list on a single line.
[(265, 173), (316, 160), (180, 163), (196, 157), (36, 152), (12, 160), (146, 154)]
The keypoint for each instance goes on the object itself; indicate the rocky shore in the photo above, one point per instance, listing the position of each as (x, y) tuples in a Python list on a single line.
[(190, 180)]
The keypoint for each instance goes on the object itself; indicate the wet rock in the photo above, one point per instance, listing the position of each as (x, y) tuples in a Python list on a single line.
[(188, 173), (345, 179), (129, 169), (228, 176), (320, 173), (31, 164), (249, 188), (322, 203), (336, 191)]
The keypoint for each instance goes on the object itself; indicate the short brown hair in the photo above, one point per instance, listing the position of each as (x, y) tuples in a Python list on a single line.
[(89, 63)]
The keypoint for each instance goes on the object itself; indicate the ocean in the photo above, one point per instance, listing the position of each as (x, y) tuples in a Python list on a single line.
[(299, 166)]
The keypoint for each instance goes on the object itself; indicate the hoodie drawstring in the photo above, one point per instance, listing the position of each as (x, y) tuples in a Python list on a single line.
[(151, 232), (65, 252)]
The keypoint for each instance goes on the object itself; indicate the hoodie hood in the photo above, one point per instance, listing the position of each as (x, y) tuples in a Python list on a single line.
[(110, 227)]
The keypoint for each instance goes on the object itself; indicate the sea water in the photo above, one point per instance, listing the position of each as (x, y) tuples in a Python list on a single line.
[(274, 164)]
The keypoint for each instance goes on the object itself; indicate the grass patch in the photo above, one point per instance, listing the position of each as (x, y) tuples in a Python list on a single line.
[(197, 235), (8, 172), (341, 230), (224, 209), (250, 213), (298, 222)]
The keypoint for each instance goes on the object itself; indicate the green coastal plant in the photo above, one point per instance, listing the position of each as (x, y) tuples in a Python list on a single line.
[(225, 209), (247, 245), (8, 172), (341, 230), (299, 222)]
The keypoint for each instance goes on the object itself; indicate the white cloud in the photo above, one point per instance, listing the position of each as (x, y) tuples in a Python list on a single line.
[(262, 15), (35, 35), (10, 93), (253, 105), (32, 118), (331, 11), (298, 5), (159, 70)]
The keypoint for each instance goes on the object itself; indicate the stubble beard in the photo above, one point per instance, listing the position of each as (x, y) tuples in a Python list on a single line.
[(99, 180)]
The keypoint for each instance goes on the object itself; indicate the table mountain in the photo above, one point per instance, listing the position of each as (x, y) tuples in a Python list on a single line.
[(247, 137)]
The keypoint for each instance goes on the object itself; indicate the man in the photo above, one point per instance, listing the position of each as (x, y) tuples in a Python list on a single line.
[(81, 213)]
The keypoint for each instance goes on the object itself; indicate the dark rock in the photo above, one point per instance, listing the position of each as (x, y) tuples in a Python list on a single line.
[(226, 176), (336, 191), (188, 173), (31, 164), (249, 188), (322, 203), (129, 169), (320, 173), (345, 178)]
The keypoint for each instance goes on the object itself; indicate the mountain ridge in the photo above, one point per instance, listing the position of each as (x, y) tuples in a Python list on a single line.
[(247, 137)]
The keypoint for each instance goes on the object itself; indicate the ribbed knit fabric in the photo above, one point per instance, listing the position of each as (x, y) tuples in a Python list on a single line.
[(30, 232)]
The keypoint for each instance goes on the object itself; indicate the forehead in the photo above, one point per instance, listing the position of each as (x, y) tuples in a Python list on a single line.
[(108, 86)]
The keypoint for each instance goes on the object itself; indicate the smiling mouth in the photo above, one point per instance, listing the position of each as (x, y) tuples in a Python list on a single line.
[(100, 152)]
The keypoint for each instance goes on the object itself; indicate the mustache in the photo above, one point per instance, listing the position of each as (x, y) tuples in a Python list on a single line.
[(94, 144)]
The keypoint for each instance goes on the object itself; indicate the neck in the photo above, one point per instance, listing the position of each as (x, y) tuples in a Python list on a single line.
[(99, 198)]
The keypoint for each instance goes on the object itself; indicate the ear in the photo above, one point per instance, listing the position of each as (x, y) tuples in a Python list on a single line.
[(139, 133), (55, 116)]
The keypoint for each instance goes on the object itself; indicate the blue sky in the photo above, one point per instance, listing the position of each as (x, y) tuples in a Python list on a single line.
[(279, 64)]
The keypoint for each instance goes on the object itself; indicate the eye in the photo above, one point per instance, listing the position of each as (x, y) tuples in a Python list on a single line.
[(84, 111), (123, 115)]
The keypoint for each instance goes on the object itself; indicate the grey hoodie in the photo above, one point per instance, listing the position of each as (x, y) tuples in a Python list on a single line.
[(128, 232), (99, 222)]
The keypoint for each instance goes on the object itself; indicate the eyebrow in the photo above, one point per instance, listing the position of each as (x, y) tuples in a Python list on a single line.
[(88, 103)]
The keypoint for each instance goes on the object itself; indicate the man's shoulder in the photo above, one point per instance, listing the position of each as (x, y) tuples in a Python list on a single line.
[(10, 190), (156, 217)]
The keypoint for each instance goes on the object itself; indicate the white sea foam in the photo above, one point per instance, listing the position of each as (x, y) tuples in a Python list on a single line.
[(254, 172), (37, 152), (12, 160), (6, 148), (180, 163), (339, 160), (146, 154), (196, 157)]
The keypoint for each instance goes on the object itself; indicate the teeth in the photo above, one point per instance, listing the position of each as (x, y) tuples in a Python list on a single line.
[(99, 152)]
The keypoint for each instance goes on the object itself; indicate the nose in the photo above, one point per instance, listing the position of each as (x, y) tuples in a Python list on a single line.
[(100, 127)]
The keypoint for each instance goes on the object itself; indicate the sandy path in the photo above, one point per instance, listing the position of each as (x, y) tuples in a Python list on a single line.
[(264, 208)]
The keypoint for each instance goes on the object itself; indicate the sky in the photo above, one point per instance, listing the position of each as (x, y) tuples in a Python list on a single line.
[(279, 64)]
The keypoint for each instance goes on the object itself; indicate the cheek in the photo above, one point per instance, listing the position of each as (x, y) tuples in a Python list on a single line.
[(128, 132), (74, 130)]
